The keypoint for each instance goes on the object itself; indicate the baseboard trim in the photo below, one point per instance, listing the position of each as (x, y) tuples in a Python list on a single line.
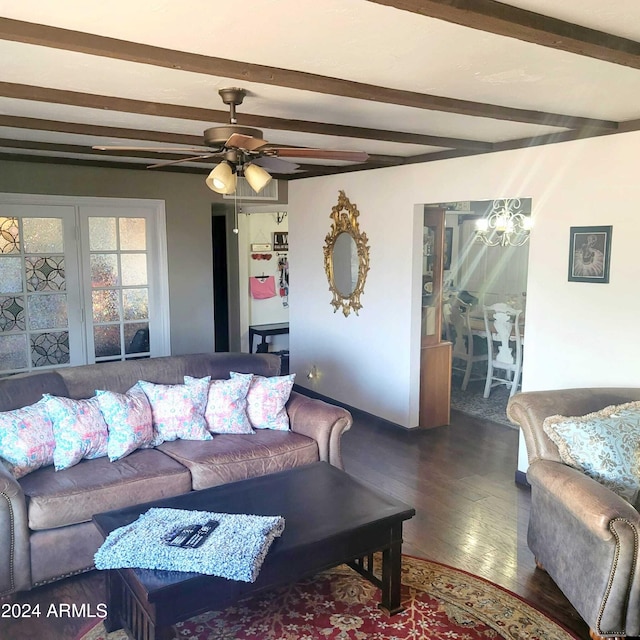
[(354, 410)]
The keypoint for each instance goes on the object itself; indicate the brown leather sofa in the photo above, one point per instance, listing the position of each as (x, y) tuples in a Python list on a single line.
[(582, 533), (46, 532)]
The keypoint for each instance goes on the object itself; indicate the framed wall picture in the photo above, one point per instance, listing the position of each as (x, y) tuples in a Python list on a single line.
[(281, 241), (589, 254)]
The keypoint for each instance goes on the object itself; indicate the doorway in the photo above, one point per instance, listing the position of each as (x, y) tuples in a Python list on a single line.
[(483, 275), (226, 303)]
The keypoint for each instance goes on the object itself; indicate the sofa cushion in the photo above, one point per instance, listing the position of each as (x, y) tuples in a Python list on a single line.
[(226, 410), (266, 400), (604, 445), (129, 421), (56, 499), (78, 428), (178, 410), (227, 458), (27, 388), (26, 439)]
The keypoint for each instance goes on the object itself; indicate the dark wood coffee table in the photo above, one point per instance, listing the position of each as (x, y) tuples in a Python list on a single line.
[(331, 519)]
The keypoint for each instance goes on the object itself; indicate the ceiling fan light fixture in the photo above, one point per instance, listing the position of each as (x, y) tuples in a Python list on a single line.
[(222, 179), (257, 177)]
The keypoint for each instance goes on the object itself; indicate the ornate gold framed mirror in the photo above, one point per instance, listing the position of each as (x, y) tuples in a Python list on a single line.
[(346, 257)]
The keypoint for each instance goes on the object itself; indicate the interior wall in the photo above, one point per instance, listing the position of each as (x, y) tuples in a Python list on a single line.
[(188, 212), (577, 334)]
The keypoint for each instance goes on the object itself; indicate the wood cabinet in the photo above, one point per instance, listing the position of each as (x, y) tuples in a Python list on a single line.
[(435, 357)]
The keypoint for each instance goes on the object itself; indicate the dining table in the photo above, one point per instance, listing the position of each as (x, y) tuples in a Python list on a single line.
[(476, 322)]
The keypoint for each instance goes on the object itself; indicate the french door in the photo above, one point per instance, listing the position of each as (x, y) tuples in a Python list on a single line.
[(81, 280)]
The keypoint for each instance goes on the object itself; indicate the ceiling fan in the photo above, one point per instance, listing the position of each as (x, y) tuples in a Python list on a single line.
[(243, 152)]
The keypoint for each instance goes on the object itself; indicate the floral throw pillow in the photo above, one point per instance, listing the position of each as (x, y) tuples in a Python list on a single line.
[(604, 445), (78, 428), (129, 421), (226, 410), (266, 400), (177, 410), (26, 439)]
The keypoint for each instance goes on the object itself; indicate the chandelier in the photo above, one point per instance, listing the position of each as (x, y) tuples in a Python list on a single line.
[(505, 225)]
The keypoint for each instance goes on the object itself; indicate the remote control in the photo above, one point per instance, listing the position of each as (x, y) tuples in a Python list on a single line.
[(183, 535), (201, 534)]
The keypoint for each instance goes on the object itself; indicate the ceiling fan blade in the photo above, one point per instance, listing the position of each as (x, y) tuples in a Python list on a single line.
[(170, 162), (321, 154), (189, 150), (271, 163), (248, 143)]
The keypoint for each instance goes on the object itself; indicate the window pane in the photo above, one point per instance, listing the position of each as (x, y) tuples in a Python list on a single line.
[(10, 275), (47, 311), (135, 303), (9, 235), (102, 234), (107, 340), (50, 348), (45, 273), (104, 270), (134, 268), (106, 306), (136, 337), (42, 235), (133, 234), (12, 316), (13, 351)]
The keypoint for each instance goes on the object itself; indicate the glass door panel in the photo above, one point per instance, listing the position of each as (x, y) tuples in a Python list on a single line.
[(40, 314)]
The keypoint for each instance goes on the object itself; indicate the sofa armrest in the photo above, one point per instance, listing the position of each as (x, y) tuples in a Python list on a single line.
[(15, 559), (592, 504), (323, 422), (529, 409), (586, 537)]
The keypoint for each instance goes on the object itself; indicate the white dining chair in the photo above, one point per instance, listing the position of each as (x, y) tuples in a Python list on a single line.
[(504, 333), (467, 347)]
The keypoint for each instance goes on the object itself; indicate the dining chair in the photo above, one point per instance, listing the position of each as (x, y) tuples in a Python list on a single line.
[(467, 347), (504, 334)]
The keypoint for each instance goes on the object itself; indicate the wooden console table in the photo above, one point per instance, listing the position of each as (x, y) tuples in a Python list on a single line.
[(264, 330)]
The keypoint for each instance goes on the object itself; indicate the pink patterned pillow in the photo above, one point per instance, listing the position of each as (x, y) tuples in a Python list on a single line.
[(26, 439), (178, 410), (266, 400), (129, 421), (226, 410), (79, 429)]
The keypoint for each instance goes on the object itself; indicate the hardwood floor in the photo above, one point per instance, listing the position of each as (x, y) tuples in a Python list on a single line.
[(470, 515)]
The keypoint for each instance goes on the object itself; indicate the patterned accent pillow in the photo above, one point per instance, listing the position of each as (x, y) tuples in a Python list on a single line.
[(178, 410), (604, 445), (79, 429), (26, 439), (226, 410), (129, 421), (266, 400)]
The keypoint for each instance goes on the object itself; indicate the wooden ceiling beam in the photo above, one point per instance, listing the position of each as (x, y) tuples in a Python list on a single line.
[(55, 37), (77, 128), (506, 20), (183, 112), (374, 162)]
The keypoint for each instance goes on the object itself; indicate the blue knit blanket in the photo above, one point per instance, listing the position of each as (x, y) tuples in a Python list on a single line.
[(235, 550)]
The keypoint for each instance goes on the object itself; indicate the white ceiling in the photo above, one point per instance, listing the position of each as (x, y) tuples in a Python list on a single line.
[(499, 89)]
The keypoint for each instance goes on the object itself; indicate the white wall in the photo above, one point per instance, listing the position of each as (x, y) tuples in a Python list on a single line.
[(577, 334)]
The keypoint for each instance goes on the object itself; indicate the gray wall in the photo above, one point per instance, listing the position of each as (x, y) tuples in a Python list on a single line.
[(188, 209)]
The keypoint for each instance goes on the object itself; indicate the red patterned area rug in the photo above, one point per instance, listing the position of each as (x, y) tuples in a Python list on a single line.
[(440, 603)]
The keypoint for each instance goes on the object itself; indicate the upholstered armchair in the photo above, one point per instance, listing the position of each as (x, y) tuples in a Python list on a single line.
[(581, 532)]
